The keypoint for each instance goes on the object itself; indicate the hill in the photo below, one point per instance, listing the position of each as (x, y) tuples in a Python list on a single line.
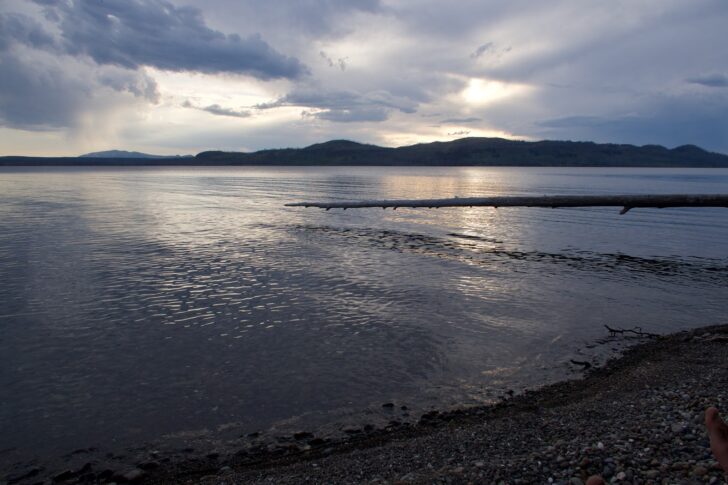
[(126, 154), (478, 152)]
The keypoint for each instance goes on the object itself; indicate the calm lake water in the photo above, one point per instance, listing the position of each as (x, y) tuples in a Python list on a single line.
[(142, 302)]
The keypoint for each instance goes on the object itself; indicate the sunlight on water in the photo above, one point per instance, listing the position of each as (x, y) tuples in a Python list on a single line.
[(139, 302)]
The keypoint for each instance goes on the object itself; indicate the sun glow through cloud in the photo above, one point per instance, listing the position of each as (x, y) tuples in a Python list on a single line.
[(484, 91)]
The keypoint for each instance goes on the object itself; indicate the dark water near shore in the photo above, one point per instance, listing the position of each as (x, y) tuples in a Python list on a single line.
[(142, 302)]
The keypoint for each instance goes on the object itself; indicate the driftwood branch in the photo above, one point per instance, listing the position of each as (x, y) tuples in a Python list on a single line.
[(635, 331), (584, 364), (627, 202)]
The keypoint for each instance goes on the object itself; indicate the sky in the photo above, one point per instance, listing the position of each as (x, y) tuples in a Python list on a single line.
[(184, 76)]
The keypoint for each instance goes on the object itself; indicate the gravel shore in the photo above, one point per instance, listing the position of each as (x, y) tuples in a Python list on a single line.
[(639, 419)]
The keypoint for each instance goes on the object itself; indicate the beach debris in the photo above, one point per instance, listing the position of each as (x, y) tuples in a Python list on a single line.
[(613, 332), (626, 202), (585, 364)]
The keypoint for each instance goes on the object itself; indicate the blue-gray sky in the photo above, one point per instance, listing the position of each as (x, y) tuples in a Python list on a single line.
[(182, 76)]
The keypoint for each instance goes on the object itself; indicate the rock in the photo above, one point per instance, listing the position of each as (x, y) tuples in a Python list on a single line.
[(479, 464), (429, 417), (302, 435), (700, 471), (134, 474), (64, 475), (651, 474), (576, 481), (388, 405), (148, 465), (31, 472), (105, 475), (621, 476)]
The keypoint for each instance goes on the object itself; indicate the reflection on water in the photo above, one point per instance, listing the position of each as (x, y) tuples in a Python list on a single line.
[(140, 302)]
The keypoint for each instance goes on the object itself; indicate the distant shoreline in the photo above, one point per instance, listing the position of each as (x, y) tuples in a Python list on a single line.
[(465, 152), (194, 163)]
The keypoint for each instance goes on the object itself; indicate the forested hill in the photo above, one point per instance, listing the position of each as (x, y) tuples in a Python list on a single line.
[(462, 152), (478, 152)]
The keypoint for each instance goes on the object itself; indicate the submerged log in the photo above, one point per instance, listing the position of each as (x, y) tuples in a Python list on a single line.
[(627, 202)]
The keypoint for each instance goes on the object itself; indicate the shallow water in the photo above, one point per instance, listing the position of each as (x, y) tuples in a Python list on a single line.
[(147, 301)]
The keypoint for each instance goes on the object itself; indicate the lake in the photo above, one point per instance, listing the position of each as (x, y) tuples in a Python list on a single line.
[(148, 302)]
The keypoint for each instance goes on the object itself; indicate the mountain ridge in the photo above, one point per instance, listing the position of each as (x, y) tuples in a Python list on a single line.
[(474, 151), (470, 151)]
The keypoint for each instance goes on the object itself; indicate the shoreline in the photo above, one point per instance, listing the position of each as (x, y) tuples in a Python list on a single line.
[(637, 418)]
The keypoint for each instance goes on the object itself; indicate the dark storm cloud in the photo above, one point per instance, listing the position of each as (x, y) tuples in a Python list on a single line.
[(289, 21), (37, 92), (28, 95), (218, 110), (711, 80), (41, 91), (19, 28), (343, 106), (134, 33)]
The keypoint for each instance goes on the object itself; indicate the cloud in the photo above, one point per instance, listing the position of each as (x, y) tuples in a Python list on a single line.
[(342, 105), (40, 91), (458, 121), (218, 110), (21, 29), (711, 80), (340, 62), (290, 22), (156, 33), (346, 115), (665, 120), (583, 66), (482, 49)]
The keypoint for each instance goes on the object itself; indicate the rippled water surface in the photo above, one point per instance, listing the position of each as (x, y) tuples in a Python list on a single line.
[(142, 302)]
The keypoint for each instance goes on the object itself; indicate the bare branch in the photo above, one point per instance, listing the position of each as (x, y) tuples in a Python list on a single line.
[(636, 331)]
